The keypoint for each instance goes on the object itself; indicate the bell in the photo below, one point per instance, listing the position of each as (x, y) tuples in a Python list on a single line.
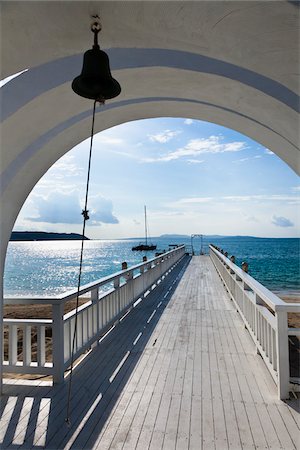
[(95, 81)]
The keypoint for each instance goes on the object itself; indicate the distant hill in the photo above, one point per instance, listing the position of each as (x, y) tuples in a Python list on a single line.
[(205, 236), (174, 236), (186, 236), (44, 236)]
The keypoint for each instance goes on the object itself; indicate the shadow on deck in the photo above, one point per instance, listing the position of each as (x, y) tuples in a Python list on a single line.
[(33, 413)]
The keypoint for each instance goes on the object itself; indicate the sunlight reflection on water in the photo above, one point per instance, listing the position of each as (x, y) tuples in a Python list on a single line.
[(51, 268)]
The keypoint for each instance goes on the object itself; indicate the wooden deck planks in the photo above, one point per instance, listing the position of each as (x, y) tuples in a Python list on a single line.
[(190, 379)]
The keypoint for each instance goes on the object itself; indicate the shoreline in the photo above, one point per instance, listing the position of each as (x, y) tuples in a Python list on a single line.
[(288, 296)]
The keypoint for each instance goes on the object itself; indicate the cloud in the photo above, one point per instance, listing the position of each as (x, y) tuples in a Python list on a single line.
[(237, 199), (163, 137), (268, 152), (195, 200), (247, 159), (241, 160), (290, 199), (282, 222), (63, 168), (250, 218), (195, 161), (196, 147), (66, 207), (188, 122), (109, 140), (101, 210)]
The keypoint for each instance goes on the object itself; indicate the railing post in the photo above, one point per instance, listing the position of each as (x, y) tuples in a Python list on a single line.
[(245, 266), (258, 301), (95, 295), (117, 289), (13, 345), (58, 342), (283, 366), (130, 284)]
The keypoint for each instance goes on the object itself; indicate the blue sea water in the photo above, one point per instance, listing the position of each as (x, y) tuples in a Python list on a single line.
[(51, 267)]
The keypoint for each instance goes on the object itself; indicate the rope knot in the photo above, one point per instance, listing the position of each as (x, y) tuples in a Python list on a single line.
[(85, 213)]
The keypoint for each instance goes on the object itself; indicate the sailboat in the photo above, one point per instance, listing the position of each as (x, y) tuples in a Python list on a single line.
[(145, 246)]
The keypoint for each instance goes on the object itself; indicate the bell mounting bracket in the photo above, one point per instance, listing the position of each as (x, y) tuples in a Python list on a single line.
[(95, 28)]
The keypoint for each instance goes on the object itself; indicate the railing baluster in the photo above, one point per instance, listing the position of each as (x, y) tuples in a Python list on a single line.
[(41, 354), (13, 344), (26, 345), (274, 350), (101, 317), (95, 318)]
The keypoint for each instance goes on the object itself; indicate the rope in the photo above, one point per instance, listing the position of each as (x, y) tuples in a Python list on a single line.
[(85, 218)]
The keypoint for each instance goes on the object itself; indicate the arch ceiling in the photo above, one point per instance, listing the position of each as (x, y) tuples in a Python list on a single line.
[(232, 63)]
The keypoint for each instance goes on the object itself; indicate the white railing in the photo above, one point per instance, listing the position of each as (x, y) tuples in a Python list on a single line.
[(265, 316), (110, 298)]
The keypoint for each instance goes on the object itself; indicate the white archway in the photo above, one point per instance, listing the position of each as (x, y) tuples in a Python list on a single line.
[(231, 63)]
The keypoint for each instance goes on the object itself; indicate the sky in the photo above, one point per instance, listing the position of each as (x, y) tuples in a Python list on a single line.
[(195, 178)]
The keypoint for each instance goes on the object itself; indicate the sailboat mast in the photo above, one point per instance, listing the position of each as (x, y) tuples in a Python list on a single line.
[(145, 223)]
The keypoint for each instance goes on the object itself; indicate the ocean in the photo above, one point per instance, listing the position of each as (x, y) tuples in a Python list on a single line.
[(49, 268)]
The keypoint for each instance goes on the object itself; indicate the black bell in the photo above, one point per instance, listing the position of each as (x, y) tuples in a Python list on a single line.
[(95, 81)]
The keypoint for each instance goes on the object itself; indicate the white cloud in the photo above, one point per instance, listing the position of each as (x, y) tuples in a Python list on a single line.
[(282, 222), (163, 137), (109, 140), (195, 200), (101, 210), (57, 207), (66, 207), (188, 122), (196, 147), (251, 219), (63, 168), (291, 199), (195, 161), (125, 154), (269, 152), (66, 175), (288, 199), (241, 160)]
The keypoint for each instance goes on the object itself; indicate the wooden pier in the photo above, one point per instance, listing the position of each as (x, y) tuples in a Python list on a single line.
[(180, 371)]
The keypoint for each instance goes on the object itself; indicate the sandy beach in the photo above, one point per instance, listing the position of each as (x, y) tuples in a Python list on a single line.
[(293, 297)]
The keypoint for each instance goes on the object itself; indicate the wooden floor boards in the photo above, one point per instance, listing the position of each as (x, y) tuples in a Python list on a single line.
[(179, 372)]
